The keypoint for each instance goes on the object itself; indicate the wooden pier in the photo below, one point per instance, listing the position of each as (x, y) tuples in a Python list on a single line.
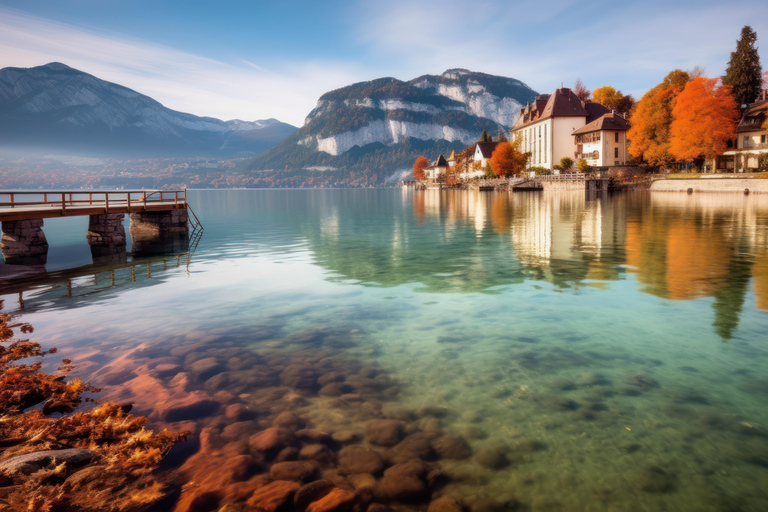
[(156, 216)]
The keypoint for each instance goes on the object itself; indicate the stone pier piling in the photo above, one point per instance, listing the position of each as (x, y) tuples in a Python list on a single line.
[(159, 232), (23, 242), (106, 236)]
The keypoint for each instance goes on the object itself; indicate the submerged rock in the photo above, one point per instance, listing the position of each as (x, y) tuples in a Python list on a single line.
[(311, 492), (415, 446), (356, 459), (336, 500), (452, 447), (385, 432), (293, 470), (272, 439), (654, 479), (32, 462), (404, 482), (643, 382), (344, 436), (444, 504), (270, 497)]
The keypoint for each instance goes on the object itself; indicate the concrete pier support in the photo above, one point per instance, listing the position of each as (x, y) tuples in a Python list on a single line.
[(106, 236), (159, 232), (23, 242)]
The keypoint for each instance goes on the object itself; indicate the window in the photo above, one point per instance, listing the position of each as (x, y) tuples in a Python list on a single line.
[(617, 136), (616, 151), (762, 139), (545, 143)]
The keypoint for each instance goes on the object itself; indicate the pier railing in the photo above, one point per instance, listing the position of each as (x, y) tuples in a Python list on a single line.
[(130, 200)]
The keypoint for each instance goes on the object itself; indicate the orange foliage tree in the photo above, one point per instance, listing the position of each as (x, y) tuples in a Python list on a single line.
[(419, 165), (613, 99), (507, 159), (652, 119), (705, 118)]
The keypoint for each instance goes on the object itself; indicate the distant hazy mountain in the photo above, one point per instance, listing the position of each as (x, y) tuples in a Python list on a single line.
[(58, 108), (379, 127)]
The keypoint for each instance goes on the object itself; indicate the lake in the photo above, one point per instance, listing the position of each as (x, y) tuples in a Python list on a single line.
[(541, 351)]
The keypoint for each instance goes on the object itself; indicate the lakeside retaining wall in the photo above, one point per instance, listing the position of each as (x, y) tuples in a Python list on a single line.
[(562, 184), (755, 186)]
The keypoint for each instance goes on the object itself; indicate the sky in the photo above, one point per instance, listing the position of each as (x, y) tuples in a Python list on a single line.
[(250, 59)]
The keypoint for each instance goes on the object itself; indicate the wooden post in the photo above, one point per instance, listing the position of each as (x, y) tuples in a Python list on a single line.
[(10, 199), (106, 202), (90, 199), (63, 204)]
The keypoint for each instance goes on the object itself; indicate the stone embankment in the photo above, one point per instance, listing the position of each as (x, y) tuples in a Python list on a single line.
[(740, 185)]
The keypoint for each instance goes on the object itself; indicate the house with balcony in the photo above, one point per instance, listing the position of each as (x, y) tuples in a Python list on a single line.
[(751, 139), (603, 142), (546, 127)]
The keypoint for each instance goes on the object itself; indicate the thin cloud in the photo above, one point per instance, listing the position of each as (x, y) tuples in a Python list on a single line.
[(180, 80)]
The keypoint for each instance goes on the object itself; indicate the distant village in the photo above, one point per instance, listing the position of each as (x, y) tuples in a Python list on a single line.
[(687, 123)]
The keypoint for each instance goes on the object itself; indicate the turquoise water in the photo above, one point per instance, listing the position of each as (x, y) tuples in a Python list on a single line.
[(614, 348)]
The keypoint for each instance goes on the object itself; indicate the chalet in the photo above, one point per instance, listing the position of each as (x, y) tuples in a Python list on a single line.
[(751, 138), (603, 142), (437, 169), (546, 126), (483, 152)]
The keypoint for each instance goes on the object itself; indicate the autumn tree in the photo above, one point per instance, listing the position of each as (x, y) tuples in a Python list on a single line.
[(419, 165), (582, 165), (744, 71), (507, 159), (565, 163), (581, 91), (613, 99), (704, 120), (501, 137), (652, 119)]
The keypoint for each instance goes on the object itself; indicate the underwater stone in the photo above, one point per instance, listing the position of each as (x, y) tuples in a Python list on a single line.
[(317, 452), (452, 447), (344, 436), (363, 482), (654, 479), (384, 432), (271, 439), (299, 377), (313, 435), (562, 385), (415, 446), (643, 382), (290, 420), (337, 499), (289, 453), (444, 504), (356, 459), (404, 482), (293, 470), (31, 462), (271, 496), (310, 492), (492, 457)]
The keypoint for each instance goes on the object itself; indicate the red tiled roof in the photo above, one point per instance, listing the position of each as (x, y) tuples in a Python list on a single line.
[(605, 122), (562, 103)]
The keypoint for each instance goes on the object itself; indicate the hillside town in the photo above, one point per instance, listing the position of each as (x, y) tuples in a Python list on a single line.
[(686, 124)]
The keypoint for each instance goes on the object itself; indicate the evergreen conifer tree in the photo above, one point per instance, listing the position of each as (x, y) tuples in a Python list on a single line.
[(744, 73), (484, 137), (501, 137)]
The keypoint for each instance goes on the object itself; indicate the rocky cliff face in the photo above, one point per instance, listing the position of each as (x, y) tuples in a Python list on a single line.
[(55, 107), (398, 120)]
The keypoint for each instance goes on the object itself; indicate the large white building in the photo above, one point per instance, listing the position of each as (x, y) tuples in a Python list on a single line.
[(546, 127), (751, 139)]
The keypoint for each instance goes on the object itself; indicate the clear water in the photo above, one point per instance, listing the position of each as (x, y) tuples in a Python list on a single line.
[(616, 347)]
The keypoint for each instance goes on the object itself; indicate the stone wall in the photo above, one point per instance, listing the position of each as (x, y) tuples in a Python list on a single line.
[(159, 223), (562, 184), (106, 230), (739, 185), (23, 242)]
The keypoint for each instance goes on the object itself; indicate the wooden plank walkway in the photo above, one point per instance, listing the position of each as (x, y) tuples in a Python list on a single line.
[(56, 203)]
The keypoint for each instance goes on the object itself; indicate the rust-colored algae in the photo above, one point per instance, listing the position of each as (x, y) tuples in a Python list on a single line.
[(56, 459)]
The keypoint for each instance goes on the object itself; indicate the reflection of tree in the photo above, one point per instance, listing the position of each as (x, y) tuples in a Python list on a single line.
[(683, 248)]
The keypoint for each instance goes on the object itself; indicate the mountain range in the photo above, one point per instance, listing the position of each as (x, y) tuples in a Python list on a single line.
[(378, 128), (55, 108)]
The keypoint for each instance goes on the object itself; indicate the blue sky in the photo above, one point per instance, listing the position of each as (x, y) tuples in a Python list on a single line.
[(254, 60)]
